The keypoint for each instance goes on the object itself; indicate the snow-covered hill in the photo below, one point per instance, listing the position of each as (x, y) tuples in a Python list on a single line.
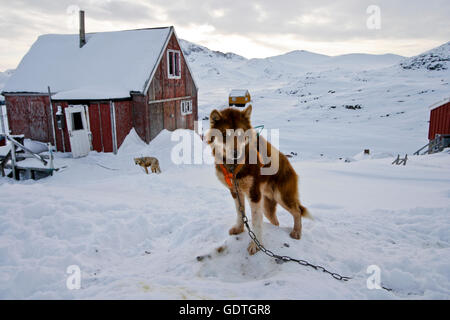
[(357, 101), (436, 59), (191, 49)]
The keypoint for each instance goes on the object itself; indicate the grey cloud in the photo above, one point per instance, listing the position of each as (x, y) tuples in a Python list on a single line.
[(344, 20), (261, 21), (321, 20)]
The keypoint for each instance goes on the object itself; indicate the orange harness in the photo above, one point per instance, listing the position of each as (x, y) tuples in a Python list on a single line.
[(229, 176)]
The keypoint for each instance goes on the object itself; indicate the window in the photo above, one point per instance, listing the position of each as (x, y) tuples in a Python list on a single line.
[(77, 121), (186, 107), (173, 64)]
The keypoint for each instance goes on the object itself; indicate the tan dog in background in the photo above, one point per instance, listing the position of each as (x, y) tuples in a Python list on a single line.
[(146, 162)]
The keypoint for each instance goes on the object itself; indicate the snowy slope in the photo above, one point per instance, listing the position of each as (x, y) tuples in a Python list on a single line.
[(435, 59), (138, 236), (306, 95)]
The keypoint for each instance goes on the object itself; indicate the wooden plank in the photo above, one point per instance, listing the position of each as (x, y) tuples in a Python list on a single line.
[(38, 120), (169, 116), (156, 120), (431, 126), (106, 127), (52, 116), (16, 144), (139, 106), (95, 125), (13, 162), (4, 161), (170, 99), (8, 166), (124, 121), (112, 113)]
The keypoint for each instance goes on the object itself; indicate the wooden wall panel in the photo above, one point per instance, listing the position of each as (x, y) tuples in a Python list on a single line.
[(22, 110), (105, 115), (156, 119), (38, 121), (169, 115), (95, 126), (162, 87), (139, 108), (439, 121), (124, 120)]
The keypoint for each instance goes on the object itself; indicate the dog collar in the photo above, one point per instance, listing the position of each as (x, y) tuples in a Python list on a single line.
[(229, 175)]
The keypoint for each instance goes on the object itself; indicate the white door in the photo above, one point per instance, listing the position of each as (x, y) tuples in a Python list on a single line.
[(78, 130)]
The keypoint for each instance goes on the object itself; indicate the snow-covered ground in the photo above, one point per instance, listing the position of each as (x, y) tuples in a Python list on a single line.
[(137, 236)]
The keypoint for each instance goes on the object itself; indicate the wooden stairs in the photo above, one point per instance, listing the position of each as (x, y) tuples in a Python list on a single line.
[(17, 153), (439, 143)]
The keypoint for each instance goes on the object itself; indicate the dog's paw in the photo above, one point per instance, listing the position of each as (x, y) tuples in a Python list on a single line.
[(296, 234), (252, 248), (236, 229)]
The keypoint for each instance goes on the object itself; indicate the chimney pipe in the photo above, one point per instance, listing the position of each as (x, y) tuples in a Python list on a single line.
[(82, 30)]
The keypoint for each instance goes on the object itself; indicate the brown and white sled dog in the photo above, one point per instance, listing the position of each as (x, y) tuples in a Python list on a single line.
[(264, 175)]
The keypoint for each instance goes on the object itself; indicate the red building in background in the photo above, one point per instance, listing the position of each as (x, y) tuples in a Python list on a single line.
[(439, 130), (439, 119)]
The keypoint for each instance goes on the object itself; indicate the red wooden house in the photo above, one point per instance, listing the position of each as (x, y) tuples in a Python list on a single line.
[(439, 119), (86, 92), (439, 130)]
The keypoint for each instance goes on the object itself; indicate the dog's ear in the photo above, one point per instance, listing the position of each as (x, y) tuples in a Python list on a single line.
[(247, 112), (215, 116)]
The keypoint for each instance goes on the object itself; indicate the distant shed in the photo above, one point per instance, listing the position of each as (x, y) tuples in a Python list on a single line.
[(439, 119), (239, 97)]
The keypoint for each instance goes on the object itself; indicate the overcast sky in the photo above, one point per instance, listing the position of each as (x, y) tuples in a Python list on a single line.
[(248, 27)]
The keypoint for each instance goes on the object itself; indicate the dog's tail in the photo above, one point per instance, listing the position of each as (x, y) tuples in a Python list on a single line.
[(305, 212)]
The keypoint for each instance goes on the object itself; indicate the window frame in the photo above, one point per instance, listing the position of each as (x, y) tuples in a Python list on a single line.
[(174, 63), (77, 122), (183, 109)]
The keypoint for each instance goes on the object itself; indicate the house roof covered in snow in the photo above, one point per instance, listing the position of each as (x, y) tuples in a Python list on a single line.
[(109, 66), (439, 103), (238, 92)]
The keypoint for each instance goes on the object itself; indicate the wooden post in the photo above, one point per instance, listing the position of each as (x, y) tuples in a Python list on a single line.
[(50, 151), (52, 118), (13, 161), (396, 160), (113, 126), (2, 121), (101, 126)]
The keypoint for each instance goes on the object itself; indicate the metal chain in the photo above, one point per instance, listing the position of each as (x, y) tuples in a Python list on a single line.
[(278, 258)]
